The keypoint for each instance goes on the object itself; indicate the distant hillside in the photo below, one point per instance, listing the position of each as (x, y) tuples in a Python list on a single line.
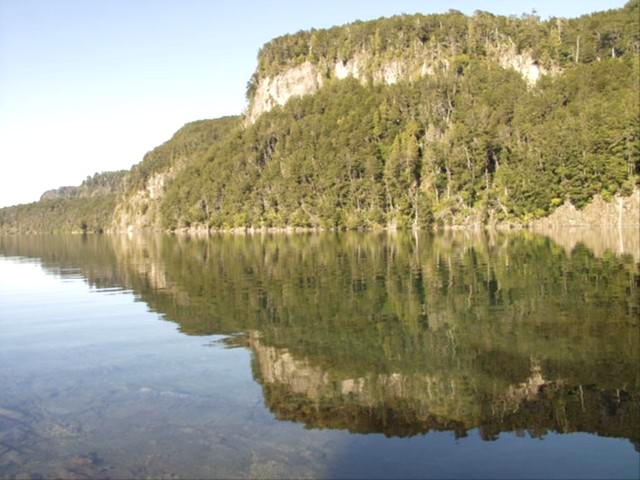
[(104, 183), (86, 208), (77, 215), (411, 121)]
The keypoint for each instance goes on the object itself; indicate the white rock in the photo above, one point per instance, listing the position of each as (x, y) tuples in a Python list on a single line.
[(300, 80)]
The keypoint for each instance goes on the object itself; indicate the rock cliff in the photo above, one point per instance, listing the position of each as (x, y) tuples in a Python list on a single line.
[(140, 209), (368, 68), (619, 212)]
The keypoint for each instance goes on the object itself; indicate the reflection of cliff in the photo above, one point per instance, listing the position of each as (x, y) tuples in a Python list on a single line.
[(400, 404), (396, 404), (396, 333), (529, 389), (599, 241)]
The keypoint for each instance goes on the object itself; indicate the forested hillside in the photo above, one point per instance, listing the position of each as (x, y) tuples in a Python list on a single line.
[(139, 205), (473, 146), (85, 208), (77, 215), (104, 183), (410, 121)]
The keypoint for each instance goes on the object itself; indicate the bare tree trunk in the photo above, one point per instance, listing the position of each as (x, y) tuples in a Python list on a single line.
[(415, 208)]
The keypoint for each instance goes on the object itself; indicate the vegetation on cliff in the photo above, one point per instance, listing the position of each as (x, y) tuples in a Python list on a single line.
[(473, 146), (553, 42), (140, 202), (189, 143), (471, 143), (474, 143)]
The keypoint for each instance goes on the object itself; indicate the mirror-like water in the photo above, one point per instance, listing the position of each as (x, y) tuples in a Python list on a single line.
[(329, 355)]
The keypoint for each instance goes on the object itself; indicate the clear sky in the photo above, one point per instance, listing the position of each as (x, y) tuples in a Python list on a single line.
[(89, 86)]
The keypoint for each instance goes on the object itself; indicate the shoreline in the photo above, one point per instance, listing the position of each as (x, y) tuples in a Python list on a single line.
[(200, 231), (618, 240)]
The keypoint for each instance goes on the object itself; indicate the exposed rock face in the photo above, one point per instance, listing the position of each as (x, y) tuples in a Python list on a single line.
[(620, 212), (391, 72), (354, 67), (307, 78), (273, 91), (522, 62), (141, 210)]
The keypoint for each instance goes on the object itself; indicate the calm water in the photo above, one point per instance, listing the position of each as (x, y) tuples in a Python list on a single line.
[(351, 355)]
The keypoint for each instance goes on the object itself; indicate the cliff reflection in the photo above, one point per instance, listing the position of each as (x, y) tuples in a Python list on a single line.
[(397, 334)]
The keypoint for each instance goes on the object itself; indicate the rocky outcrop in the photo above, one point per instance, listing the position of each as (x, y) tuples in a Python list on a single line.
[(141, 210), (619, 212), (139, 205), (273, 91), (354, 67), (307, 78), (522, 62)]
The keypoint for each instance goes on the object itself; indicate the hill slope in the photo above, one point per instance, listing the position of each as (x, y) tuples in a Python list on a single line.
[(99, 184), (414, 120), (86, 208)]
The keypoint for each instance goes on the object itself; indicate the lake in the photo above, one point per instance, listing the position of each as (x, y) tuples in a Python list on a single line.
[(352, 355)]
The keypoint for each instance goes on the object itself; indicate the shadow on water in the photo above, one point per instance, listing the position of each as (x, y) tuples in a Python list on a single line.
[(483, 335)]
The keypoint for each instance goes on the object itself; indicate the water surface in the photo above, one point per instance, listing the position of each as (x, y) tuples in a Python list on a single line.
[(333, 355)]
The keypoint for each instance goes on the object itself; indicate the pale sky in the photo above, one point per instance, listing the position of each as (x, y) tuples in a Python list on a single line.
[(89, 86)]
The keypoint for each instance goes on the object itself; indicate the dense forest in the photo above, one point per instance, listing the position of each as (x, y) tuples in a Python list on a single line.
[(553, 42), (472, 143), (441, 150)]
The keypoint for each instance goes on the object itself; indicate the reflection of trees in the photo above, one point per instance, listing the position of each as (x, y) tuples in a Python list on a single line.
[(398, 334), (401, 404)]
